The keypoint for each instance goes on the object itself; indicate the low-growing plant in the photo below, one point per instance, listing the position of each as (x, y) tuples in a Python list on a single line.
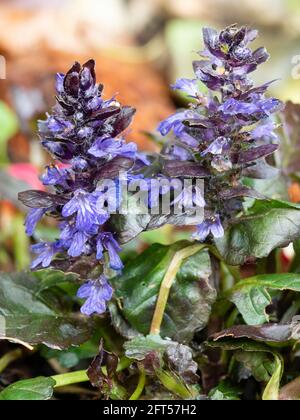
[(212, 316)]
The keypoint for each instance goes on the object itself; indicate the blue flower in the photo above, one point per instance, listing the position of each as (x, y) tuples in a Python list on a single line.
[(264, 131), (109, 148), (211, 225), (78, 244), (55, 176), (190, 197), (97, 293), (83, 204), (84, 132), (179, 153), (173, 122), (32, 219), (79, 164), (263, 106), (46, 251), (188, 86), (106, 241), (217, 147)]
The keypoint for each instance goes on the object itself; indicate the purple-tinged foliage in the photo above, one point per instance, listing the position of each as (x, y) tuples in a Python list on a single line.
[(226, 132)]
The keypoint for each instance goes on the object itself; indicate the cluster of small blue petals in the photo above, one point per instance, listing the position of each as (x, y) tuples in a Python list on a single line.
[(83, 135), (228, 130)]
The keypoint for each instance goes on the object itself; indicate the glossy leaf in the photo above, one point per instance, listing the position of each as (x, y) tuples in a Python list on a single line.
[(191, 296), (251, 295), (36, 389), (268, 333), (270, 224), (37, 316), (225, 392), (256, 357)]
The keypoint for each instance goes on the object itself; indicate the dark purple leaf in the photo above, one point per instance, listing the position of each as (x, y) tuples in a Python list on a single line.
[(123, 120), (112, 169), (270, 333), (71, 82), (239, 36), (39, 199), (261, 55), (91, 66), (180, 358), (174, 168), (97, 377), (255, 153), (240, 191), (105, 113)]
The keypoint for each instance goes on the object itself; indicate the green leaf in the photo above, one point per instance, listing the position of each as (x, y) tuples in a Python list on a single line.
[(225, 392), (178, 357), (138, 348), (274, 188), (251, 296), (36, 317), (271, 392), (191, 296), (261, 365), (258, 361), (36, 389), (137, 219), (9, 127), (71, 358), (48, 279), (176, 385), (270, 224)]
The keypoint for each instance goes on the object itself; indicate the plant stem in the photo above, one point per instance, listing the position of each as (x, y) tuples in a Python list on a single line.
[(80, 376), (167, 283), (140, 386), (123, 364), (9, 358), (70, 378)]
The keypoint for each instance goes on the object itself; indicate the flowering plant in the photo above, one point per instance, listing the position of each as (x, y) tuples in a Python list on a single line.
[(183, 320)]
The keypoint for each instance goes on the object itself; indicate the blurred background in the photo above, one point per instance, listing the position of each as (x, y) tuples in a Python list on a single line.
[(141, 46)]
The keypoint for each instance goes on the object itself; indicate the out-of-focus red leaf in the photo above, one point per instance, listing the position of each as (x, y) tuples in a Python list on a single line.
[(28, 173)]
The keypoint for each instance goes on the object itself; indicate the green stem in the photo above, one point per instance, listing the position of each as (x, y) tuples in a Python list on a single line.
[(70, 378), (9, 358), (123, 364), (80, 376), (167, 283), (140, 386)]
